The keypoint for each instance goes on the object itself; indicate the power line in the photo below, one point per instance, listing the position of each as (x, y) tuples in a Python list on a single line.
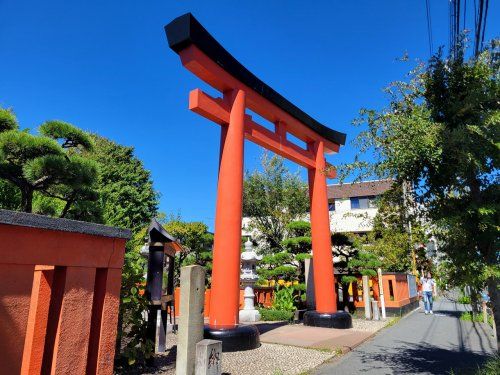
[(465, 12), (454, 14), (481, 14), (484, 22), (451, 28), (429, 26), (475, 15), (478, 27)]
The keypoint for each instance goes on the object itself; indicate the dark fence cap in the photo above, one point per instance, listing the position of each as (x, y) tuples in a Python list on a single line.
[(45, 222), (158, 234)]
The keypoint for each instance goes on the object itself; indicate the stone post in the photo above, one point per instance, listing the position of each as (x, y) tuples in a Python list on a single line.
[(309, 276), (381, 292), (209, 357), (375, 310), (366, 296), (191, 318)]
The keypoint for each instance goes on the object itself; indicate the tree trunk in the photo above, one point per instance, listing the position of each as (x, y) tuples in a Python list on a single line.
[(27, 199), (494, 292), (67, 206)]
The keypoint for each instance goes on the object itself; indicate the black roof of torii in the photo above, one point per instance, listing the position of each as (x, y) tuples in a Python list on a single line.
[(186, 30)]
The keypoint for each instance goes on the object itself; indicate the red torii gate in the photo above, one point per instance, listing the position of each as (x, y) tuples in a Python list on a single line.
[(201, 54)]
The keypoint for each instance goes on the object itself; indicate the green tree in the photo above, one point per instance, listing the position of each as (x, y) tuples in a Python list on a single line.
[(10, 197), (196, 242), (298, 244), (364, 263), (440, 134), (345, 246), (126, 194), (49, 164), (391, 239), (272, 199)]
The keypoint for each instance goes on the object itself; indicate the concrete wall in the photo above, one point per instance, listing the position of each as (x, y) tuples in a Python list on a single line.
[(59, 294), (343, 219)]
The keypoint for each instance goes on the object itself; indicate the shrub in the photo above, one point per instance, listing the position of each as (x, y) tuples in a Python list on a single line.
[(468, 316), (491, 367), (463, 299), (285, 299), (271, 315), (135, 347)]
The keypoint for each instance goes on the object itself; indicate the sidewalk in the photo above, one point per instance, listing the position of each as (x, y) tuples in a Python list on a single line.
[(420, 344)]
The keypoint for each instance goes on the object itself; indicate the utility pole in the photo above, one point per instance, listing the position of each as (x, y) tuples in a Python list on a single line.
[(406, 205)]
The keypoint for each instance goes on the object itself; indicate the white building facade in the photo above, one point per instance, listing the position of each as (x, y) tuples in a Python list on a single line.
[(351, 205)]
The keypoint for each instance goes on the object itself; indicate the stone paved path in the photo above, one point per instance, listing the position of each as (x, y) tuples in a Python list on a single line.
[(420, 344)]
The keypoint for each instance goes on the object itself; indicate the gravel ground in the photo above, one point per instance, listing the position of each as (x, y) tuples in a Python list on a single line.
[(370, 325), (268, 359)]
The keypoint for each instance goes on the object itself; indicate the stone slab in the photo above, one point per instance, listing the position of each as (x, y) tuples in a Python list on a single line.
[(208, 357), (315, 337)]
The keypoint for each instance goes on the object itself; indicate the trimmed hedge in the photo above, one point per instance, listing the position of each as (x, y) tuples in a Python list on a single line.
[(271, 315)]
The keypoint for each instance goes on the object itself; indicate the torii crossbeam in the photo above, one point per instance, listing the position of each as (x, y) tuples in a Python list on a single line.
[(201, 54)]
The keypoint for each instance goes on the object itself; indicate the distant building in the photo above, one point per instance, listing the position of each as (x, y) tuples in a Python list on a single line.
[(352, 205)]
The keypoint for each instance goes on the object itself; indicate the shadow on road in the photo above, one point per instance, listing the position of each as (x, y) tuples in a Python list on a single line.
[(424, 358), (451, 313)]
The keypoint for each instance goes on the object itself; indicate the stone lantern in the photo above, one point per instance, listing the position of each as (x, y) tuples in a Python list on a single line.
[(249, 259)]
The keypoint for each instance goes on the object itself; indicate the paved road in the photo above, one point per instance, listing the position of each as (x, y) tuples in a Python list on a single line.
[(420, 344)]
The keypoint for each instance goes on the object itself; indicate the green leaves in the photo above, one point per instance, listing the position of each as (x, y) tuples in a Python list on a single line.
[(297, 244), (18, 147), (272, 315), (299, 228), (70, 135), (61, 183), (133, 304), (440, 134), (364, 263), (127, 197), (196, 242), (272, 199), (8, 120), (284, 299)]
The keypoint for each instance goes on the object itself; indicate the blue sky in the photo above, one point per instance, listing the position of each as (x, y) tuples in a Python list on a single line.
[(105, 66)]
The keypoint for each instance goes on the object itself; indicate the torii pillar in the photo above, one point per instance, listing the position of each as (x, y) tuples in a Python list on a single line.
[(201, 54), (326, 314)]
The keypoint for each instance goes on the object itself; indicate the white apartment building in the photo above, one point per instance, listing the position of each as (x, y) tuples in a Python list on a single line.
[(351, 206)]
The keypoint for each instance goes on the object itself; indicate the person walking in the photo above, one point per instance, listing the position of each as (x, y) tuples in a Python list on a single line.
[(429, 291)]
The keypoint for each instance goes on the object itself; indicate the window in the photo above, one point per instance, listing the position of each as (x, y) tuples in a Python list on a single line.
[(331, 206), (354, 203), (362, 202), (372, 202)]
